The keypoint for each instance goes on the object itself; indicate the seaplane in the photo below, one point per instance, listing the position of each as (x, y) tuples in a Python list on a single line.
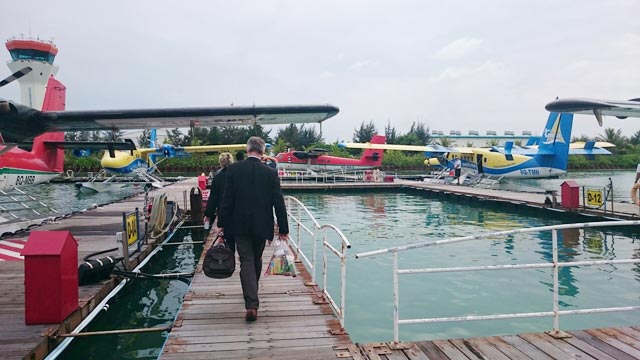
[(318, 160), (121, 168), (545, 157)]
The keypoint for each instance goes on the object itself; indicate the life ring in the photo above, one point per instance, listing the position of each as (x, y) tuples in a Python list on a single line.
[(634, 193)]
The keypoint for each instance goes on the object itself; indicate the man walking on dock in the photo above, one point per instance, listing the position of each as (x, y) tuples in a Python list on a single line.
[(252, 191)]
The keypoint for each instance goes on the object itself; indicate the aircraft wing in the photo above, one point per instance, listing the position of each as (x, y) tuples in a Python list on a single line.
[(193, 149), (92, 145), (621, 109), (418, 148), (19, 122), (575, 148)]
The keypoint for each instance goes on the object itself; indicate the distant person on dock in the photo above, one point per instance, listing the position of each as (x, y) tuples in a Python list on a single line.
[(252, 191), (457, 168), (217, 189)]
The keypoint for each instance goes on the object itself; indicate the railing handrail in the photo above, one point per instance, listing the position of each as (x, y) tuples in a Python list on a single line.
[(554, 264), (338, 310), (499, 234)]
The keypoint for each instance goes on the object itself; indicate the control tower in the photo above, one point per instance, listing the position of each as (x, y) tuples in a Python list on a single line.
[(39, 56)]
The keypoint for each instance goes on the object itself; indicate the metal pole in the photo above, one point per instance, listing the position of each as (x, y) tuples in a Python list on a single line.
[(299, 236), (396, 297), (110, 332), (343, 286), (554, 240), (313, 261), (324, 261)]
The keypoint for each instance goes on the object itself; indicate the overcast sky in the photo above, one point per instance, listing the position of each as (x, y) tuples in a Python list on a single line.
[(453, 65)]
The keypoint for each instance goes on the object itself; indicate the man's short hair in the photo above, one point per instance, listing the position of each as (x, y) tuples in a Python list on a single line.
[(255, 144)]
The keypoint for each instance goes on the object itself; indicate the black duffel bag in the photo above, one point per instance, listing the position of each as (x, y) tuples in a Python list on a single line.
[(219, 261)]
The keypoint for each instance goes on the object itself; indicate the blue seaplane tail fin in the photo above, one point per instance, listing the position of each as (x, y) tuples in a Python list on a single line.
[(553, 149)]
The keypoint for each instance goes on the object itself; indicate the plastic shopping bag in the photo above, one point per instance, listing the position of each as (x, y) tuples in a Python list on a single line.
[(282, 261)]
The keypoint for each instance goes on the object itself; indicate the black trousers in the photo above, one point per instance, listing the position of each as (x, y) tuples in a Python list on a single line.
[(250, 252)]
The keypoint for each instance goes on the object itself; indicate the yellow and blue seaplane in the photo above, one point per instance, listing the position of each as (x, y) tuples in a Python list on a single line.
[(121, 168), (543, 157)]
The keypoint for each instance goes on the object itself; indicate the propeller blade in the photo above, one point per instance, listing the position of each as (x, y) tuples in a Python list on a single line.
[(16, 75)]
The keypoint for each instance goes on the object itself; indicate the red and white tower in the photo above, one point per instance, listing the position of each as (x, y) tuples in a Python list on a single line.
[(39, 56)]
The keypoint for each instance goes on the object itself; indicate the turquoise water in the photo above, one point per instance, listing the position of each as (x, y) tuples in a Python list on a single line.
[(378, 220)]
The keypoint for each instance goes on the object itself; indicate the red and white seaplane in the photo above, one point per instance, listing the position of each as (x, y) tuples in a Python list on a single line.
[(317, 160)]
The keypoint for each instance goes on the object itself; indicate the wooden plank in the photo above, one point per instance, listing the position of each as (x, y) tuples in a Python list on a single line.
[(414, 352), (615, 342), (620, 334), (430, 350), (467, 350), (487, 349), (306, 353), (525, 347), (395, 355), (594, 352), (449, 349), (546, 346), (509, 350), (601, 345)]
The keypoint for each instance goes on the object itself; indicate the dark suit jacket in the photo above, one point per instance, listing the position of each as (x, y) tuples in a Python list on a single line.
[(252, 191), (217, 189)]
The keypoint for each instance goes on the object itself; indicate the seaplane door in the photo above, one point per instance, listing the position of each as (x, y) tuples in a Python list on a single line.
[(479, 163)]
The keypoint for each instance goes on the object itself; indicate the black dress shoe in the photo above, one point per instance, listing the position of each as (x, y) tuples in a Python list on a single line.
[(251, 315)]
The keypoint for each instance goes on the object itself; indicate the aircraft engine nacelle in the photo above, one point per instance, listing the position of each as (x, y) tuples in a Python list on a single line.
[(168, 150), (432, 162), (8, 107), (81, 152)]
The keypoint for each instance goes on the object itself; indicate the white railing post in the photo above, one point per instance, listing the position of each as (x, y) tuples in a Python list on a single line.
[(554, 241), (315, 246), (343, 286), (324, 259), (299, 235), (396, 298)]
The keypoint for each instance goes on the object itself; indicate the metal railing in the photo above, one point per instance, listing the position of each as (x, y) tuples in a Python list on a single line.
[(298, 213), (555, 265), (338, 176)]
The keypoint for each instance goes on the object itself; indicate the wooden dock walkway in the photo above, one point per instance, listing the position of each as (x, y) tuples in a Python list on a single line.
[(606, 344), (292, 321), (94, 230)]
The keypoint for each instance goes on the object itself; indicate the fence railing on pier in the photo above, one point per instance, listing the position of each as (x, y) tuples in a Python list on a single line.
[(306, 229), (555, 265)]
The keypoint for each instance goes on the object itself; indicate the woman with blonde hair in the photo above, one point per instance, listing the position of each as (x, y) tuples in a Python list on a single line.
[(217, 189)]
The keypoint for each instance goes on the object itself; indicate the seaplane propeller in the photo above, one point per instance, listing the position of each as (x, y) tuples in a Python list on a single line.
[(15, 76)]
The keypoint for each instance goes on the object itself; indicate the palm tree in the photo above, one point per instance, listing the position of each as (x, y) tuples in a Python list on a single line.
[(615, 137), (446, 142), (493, 142)]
